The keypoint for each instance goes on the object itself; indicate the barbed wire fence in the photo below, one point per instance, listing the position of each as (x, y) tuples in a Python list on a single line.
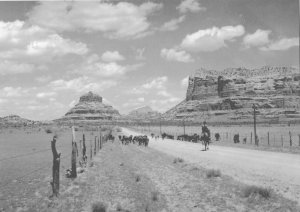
[(97, 136)]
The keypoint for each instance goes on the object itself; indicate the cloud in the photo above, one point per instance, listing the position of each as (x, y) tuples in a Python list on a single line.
[(176, 55), (93, 66), (10, 67), (112, 56), (211, 39), (185, 82), (42, 95), (172, 25), (282, 44), (157, 83), (15, 91), (19, 40), (258, 38), (117, 21), (164, 93), (81, 84), (141, 99), (190, 6)]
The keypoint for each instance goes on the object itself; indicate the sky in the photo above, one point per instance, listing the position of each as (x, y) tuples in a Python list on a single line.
[(132, 53)]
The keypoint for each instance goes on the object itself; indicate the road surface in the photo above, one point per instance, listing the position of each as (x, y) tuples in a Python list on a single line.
[(279, 171)]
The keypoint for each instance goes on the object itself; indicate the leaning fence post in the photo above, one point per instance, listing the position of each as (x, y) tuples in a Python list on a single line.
[(95, 145), (55, 168), (83, 148), (74, 149), (91, 150), (291, 142)]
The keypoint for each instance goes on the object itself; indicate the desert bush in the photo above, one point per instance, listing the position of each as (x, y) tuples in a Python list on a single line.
[(255, 190), (154, 196), (137, 178), (98, 207), (217, 136), (178, 160), (48, 131), (213, 173)]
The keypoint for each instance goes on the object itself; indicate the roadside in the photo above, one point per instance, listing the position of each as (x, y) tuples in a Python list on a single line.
[(279, 171)]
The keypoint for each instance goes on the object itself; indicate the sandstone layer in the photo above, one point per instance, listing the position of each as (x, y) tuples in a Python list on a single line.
[(91, 107), (230, 94)]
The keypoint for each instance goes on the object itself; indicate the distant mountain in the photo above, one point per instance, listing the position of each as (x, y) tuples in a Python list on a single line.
[(144, 112), (16, 120)]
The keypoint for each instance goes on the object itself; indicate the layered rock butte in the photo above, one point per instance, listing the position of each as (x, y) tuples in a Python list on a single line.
[(230, 94), (90, 107), (143, 113)]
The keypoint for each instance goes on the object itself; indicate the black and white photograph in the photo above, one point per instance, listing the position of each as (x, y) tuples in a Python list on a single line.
[(149, 106)]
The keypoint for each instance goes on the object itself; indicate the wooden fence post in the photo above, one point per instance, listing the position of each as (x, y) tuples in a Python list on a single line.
[(95, 147), (91, 150), (73, 160), (299, 139), (291, 142), (83, 149), (55, 168), (101, 141), (268, 139), (251, 138), (281, 141)]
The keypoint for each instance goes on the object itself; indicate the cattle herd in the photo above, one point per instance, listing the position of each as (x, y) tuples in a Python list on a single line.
[(141, 140)]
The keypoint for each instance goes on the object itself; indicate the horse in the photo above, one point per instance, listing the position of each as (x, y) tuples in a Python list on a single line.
[(205, 140)]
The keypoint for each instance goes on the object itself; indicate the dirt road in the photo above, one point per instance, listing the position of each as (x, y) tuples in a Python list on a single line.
[(280, 171)]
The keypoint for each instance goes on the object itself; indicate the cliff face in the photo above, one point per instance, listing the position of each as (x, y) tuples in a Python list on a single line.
[(143, 113), (238, 89), (90, 107)]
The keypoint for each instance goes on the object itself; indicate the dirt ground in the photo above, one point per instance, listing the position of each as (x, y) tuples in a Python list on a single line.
[(279, 171), (137, 178)]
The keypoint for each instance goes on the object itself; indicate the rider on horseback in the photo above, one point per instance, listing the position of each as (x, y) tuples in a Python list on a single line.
[(205, 134)]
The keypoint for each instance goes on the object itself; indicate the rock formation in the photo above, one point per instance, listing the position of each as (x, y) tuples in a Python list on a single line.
[(90, 107), (143, 113), (210, 93)]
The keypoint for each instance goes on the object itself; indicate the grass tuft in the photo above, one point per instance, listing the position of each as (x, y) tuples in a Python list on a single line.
[(48, 131), (256, 190), (213, 173), (154, 196), (137, 178), (99, 207), (178, 160)]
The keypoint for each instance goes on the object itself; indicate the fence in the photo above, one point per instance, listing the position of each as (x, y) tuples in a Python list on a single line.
[(275, 136), (80, 154)]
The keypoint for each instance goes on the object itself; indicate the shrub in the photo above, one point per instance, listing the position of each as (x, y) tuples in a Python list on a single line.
[(213, 173), (255, 190), (138, 179), (98, 207), (154, 196), (48, 131), (217, 136), (179, 160)]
